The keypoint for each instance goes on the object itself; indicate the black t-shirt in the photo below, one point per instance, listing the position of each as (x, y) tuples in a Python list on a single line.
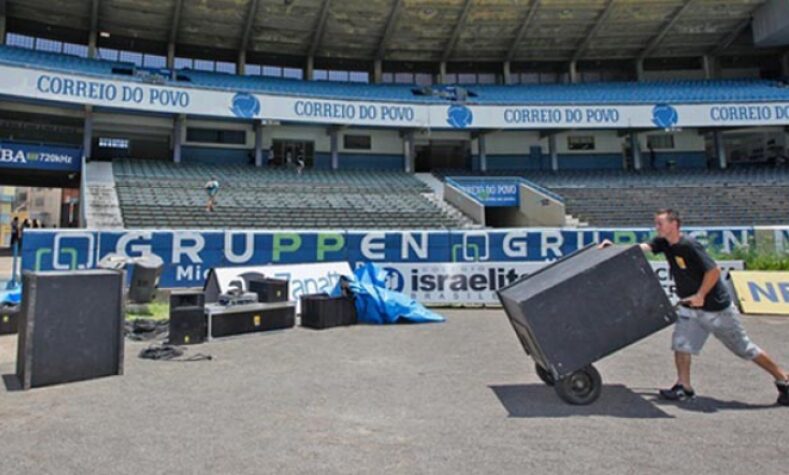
[(688, 262)]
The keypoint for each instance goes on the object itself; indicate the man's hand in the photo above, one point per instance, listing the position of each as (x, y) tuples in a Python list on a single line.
[(605, 244), (694, 301)]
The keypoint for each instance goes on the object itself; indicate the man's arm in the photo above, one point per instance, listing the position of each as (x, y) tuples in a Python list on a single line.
[(707, 283), (645, 246)]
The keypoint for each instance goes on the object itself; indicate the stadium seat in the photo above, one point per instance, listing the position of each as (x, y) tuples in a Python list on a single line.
[(738, 196), (685, 91), (161, 194)]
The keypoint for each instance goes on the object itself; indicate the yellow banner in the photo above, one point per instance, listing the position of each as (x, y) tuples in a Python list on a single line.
[(762, 292)]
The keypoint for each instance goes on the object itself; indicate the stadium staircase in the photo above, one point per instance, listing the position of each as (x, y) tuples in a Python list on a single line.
[(437, 198), (102, 209)]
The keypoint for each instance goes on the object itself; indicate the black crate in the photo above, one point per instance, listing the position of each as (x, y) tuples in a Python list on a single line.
[(251, 318), (187, 298), (70, 326), (321, 311), (590, 304), (270, 290), (187, 325), (9, 317)]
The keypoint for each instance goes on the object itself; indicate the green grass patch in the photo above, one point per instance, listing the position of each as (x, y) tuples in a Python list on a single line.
[(156, 310), (755, 259)]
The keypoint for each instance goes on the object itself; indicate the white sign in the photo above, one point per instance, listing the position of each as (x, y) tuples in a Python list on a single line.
[(41, 84), (302, 278), (477, 283)]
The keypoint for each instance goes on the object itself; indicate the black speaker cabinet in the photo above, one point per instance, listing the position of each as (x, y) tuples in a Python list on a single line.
[(579, 309), (145, 275), (321, 311), (70, 326), (187, 298), (249, 318), (270, 290), (188, 325), (9, 317)]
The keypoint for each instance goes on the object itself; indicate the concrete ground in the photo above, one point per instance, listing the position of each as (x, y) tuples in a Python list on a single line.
[(458, 397)]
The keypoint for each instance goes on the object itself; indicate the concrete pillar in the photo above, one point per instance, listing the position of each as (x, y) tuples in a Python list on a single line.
[(309, 69), (710, 67), (635, 147), (640, 70), (442, 72), (258, 144), (171, 56), (178, 137), (408, 152), (92, 40), (2, 22), (720, 149), (785, 65), (378, 71), (241, 63), (786, 141), (483, 153), (335, 148), (573, 72), (554, 152), (507, 73), (87, 133)]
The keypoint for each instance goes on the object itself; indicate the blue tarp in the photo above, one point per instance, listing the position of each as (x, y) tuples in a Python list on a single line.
[(376, 304), (12, 296)]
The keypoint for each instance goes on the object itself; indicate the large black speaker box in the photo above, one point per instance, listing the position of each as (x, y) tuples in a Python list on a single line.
[(249, 318), (188, 325), (9, 317), (320, 311), (270, 290), (70, 326), (187, 298), (579, 309)]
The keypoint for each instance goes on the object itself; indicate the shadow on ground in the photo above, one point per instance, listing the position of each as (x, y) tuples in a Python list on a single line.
[(708, 405), (540, 401)]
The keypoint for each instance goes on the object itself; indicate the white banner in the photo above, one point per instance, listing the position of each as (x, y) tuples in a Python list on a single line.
[(302, 278), (477, 283), (41, 84)]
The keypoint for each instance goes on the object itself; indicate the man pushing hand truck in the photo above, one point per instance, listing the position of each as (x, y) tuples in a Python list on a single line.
[(706, 308)]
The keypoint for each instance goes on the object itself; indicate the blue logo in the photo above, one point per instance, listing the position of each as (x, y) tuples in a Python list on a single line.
[(459, 117), (665, 116), (245, 105)]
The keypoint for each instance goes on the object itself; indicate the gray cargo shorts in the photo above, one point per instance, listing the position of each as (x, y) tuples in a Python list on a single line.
[(695, 325)]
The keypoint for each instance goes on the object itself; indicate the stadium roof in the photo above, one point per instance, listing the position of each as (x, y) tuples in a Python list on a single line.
[(407, 30)]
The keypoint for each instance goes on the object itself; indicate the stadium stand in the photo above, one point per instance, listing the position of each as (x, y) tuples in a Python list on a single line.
[(684, 91), (748, 196), (155, 194), (61, 62)]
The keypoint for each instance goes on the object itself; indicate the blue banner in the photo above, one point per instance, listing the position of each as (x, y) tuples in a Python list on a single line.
[(40, 157), (491, 192), (189, 255)]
